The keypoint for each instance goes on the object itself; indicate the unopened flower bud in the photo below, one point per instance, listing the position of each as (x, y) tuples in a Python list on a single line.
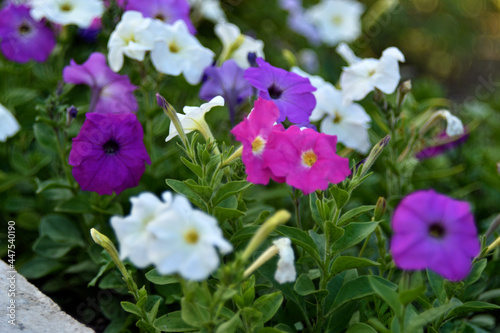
[(403, 90), (493, 226), (380, 209), (172, 114), (71, 113), (252, 59), (374, 154), (108, 245)]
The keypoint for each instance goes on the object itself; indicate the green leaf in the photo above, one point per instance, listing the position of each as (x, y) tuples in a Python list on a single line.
[(304, 286), (361, 287), (271, 330), (193, 167), (50, 184), (50, 248), (230, 326), (387, 293), (333, 231), (222, 213), (39, 266), (302, 239), (183, 189), (352, 214), (45, 136), (159, 279), (244, 234), (252, 318), (437, 286), (173, 322), (268, 304), (408, 296), (345, 263), (77, 205), (61, 229), (320, 243), (432, 314), (132, 308), (341, 196), (313, 203), (193, 313), (476, 272), (229, 189), (205, 192), (473, 306), (354, 233), (361, 328)]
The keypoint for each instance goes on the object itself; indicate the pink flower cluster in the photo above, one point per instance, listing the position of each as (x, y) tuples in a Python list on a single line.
[(303, 158)]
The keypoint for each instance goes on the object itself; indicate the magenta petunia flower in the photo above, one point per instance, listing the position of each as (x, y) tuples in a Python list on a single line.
[(23, 38), (226, 81), (111, 92), (306, 158), (291, 92), (253, 133), (109, 154), (436, 232), (167, 11)]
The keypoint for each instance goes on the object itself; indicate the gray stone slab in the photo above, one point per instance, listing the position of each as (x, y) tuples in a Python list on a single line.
[(34, 312)]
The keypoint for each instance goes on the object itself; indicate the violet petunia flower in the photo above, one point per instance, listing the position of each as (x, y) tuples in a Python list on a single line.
[(436, 232), (307, 159), (109, 153), (111, 92), (23, 38), (291, 92), (226, 81), (443, 144), (253, 133), (167, 11)]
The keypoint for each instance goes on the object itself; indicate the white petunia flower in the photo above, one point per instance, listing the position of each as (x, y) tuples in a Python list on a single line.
[(336, 20), (237, 46), (454, 125), (285, 271), (363, 76), (193, 118), (132, 37), (209, 9), (8, 124), (349, 122), (131, 231), (184, 241), (64, 12), (176, 51)]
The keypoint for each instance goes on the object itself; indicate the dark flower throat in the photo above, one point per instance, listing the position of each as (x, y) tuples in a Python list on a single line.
[(274, 92), (111, 147), (436, 230)]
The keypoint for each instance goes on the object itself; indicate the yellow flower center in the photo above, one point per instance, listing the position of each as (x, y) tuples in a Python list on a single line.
[(173, 47), (192, 236), (309, 158), (338, 118), (66, 7), (258, 145), (337, 20)]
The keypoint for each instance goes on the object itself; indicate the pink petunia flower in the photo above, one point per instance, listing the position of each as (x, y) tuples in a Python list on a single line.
[(109, 153), (306, 159), (436, 232), (253, 133), (111, 92)]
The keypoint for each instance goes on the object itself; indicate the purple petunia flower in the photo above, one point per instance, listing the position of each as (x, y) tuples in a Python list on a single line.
[(111, 92), (22, 37), (226, 81), (109, 153), (292, 93), (443, 144), (167, 11), (436, 232)]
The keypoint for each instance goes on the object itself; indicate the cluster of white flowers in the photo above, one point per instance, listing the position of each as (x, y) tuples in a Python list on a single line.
[(171, 235), (65, 12), (173, 49), (8, 124)]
